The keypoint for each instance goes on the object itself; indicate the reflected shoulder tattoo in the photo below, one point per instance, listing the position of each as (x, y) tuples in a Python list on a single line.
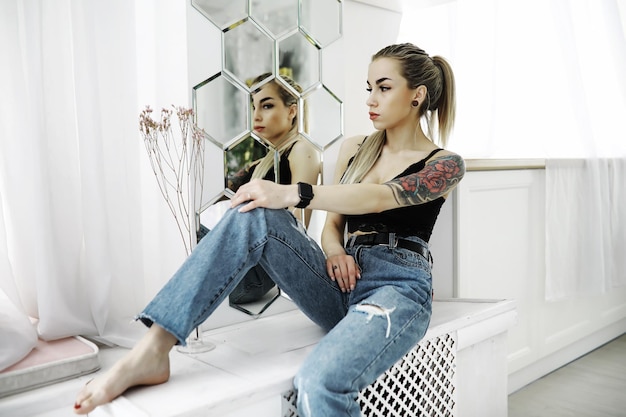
[(438, 177)]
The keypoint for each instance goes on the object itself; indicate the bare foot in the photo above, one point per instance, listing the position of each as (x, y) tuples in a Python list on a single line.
[(147, 363)]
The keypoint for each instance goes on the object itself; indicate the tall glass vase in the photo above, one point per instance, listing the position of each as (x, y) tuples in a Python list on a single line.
[(195, 343), (177, 160)]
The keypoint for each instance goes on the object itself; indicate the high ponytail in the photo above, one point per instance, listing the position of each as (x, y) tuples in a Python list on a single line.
[(446, 106)]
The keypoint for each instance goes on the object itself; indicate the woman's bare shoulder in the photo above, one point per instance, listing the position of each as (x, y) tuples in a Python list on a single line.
[(304, 147), (448, 159), (351, 145), (445, 154)]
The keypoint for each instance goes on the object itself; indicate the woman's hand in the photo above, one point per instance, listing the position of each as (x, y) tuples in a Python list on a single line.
[(344, 270), (263, 193)]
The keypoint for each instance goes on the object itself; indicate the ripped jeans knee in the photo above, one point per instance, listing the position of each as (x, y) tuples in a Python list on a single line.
[(372, 310)]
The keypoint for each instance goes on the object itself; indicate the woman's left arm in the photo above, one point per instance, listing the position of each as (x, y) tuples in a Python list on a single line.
[(438, 178)]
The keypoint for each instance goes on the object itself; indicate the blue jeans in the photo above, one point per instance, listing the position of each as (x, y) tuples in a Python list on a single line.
[(369, 329)]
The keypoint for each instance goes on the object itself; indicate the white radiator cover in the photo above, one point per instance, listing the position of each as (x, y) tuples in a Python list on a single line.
[(423, 382)]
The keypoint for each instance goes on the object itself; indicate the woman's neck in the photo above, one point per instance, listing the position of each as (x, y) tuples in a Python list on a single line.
[(278, 143), (407, 137)]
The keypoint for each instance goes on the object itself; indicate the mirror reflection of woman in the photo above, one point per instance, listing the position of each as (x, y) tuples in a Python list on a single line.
[(275, 119), (372, 292)]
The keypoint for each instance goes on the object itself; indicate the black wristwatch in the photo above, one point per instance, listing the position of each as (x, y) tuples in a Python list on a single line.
[(305, 192)]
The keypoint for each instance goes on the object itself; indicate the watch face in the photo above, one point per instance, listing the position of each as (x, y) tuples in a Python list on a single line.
[(305, 192)]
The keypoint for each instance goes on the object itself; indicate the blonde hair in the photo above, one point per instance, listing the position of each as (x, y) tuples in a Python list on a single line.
[(267, 162), (418, 68)]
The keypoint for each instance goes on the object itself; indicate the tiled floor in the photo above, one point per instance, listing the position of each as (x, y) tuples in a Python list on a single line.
[(592, 386)]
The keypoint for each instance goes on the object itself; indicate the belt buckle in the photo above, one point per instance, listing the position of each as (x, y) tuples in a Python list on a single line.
[(393, 241)]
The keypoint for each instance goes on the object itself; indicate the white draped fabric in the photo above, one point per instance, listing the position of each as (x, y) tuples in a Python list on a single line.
[(586, 227), (85, 238), (586, 197), (545, 79)]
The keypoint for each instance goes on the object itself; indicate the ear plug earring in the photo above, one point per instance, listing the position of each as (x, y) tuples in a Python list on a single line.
[(415, 103)]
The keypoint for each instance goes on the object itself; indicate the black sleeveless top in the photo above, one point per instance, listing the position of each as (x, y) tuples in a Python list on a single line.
[(284, 170), (417, 220)]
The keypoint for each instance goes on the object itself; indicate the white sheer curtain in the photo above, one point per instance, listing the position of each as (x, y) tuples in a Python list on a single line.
[(545, 79), (585, 198), (85, 237), (586, 227)]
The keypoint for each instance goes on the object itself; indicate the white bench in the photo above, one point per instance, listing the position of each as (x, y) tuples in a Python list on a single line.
[(459, 368)]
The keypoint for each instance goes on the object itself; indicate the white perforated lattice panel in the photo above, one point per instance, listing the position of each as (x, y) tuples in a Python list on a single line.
[(422, 383)]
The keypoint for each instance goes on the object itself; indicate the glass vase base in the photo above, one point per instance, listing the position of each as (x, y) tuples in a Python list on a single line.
[(196, 346)]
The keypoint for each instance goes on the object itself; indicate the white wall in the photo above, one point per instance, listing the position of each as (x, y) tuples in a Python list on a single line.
[(366, 29)]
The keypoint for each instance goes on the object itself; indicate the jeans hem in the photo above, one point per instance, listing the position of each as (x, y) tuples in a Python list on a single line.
[(148, 321)]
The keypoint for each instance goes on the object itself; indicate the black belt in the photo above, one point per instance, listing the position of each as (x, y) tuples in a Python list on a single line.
[(391, 240)]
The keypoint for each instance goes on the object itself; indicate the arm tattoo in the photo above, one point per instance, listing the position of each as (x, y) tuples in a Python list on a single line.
[(438, 178)]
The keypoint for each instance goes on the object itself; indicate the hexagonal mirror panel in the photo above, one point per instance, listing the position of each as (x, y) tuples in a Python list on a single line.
[(277, 38), (255, 293), (277, 16), (258, 81), (208, 188), (300, 59), (221, 108), (325, 119), (238, 160), (248, 51), (321, 20), (222, 13)]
